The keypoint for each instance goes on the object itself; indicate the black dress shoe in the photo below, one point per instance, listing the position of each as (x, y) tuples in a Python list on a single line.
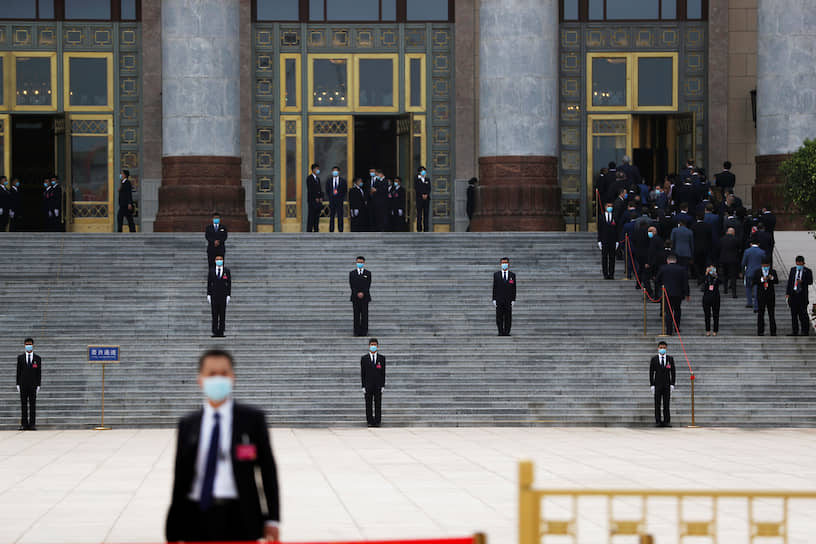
[(760, 334), (748, 306), (773, 334), (792, 334), (22, 428), (32, 428)]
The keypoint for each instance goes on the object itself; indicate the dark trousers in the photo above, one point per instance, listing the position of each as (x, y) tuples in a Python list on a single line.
[(373, 402), (222, 522), (219, 314), (608, 260), (765, 303), (125, 213), (28, 402), (711, 306), (423, 208), (4, 220), (358, 222), (673, 305), (336, 210), (14, 222), (799, 315), (728, 273), (360, 317), (504, 318), (313, 219), (700, 264), (379, 217), (665, 396)]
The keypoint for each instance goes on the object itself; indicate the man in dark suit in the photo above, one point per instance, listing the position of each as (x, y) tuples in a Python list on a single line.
[(5, 203), (29, 378), (372, 375), (125, 202), (422, 195), (358, 207), (45, 205), (800, 279), (396, 207), (764, 279), (56, 205), (504, 297), (15, 205), (216, 235), (674, 279), (378, 204), (608, 235), (661, 381), (336, 188), (360, 283), (314, 199), (632, 172), (729, 261), (725, 180), (225, 486), (470, 204), (654, 260), (701, 232), (219, 294)]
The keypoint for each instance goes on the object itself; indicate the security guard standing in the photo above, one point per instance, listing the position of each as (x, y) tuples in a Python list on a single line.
[(372, 375), (799, 281), (216, 235), (29, 378), (422, 194), (661, 380)]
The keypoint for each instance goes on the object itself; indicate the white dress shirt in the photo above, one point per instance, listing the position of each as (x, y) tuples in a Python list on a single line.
[(218, 272), (224, 486)]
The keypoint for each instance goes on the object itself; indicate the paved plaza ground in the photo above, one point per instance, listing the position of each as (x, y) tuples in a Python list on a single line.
[(344, 484)]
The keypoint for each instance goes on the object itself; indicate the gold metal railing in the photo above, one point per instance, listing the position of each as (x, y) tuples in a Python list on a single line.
[(534, 526)]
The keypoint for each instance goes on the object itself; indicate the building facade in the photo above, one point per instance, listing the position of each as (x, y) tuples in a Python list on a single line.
[(224, 104)]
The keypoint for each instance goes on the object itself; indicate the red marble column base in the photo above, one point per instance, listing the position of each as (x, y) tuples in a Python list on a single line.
[(768, 191), (518, 193), (193, 188)]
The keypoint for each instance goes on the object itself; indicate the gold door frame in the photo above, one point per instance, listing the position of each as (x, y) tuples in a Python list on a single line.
[(395, 98), (349, 136), (5, 133), (408, 82), (591, 169), (291, 128), (350, 82), (66, 88), (90, 224), (13, 86), (631, 61)]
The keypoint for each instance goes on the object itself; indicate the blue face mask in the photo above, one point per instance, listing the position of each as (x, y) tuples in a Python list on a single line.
[(317, 172), (17, 184), (217, 388), (335, 173), (625, 196), (424, 173), (800, 267), (360, 266), (396, 184), (372, 349), (662, 351), (216, 221), (372, 174), (29, 348), (713, 271), (651, 235), (505, 266), (609, 209), (53, 183), (45, 184), (766, 269), (219, 263)]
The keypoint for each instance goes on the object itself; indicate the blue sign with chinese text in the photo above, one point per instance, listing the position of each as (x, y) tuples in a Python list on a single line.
[(103, 354)]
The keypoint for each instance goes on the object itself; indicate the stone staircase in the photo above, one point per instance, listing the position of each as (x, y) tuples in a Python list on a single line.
[(577, 356)]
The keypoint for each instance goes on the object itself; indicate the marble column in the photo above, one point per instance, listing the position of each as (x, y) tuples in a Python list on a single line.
[(786, 94), (518, 116), (201, 154)]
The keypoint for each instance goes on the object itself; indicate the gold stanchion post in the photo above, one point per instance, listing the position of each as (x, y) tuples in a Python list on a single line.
[(102, 423), (626, 257), (693, 422), (644, 312), (663, 311), (529, 515)]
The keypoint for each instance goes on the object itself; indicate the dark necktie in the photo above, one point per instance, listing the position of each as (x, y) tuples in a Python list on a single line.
[(209, 471), (663, 362), (29, 360)]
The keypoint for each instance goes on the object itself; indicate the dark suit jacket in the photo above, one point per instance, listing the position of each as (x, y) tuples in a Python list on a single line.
[(372, 375), (381, 196), (725, 179), (219, 288), (15, 200), (422, 188), (29, 376), (656, 257), (212, 235), (357, 199), (342, 189), (763, 240), (762, 290), (248, 428), (807, 281), (702, 236), (396, 198), (659, 376), (729, 250), (675, 279), (125, 194), (504, 292), (608, 232), (56, 197), (5, 199), (313, 189), (360, 283)]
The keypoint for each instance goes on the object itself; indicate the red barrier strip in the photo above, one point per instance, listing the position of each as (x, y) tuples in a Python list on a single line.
[(470, 540), (677, 330)]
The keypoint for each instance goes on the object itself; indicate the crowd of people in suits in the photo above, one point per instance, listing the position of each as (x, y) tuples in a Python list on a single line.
[(688, 228), (378, 204), (12, 205)]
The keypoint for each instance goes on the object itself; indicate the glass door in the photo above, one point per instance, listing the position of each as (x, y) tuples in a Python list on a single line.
[(89, 152), (609, 140), (331, 143), (404, 166)]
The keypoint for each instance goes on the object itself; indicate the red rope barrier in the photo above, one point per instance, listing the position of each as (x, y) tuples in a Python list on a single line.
[(677, 329)]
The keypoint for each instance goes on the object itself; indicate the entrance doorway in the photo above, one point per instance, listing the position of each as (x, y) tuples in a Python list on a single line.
[(33, 159), (375, 145)]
